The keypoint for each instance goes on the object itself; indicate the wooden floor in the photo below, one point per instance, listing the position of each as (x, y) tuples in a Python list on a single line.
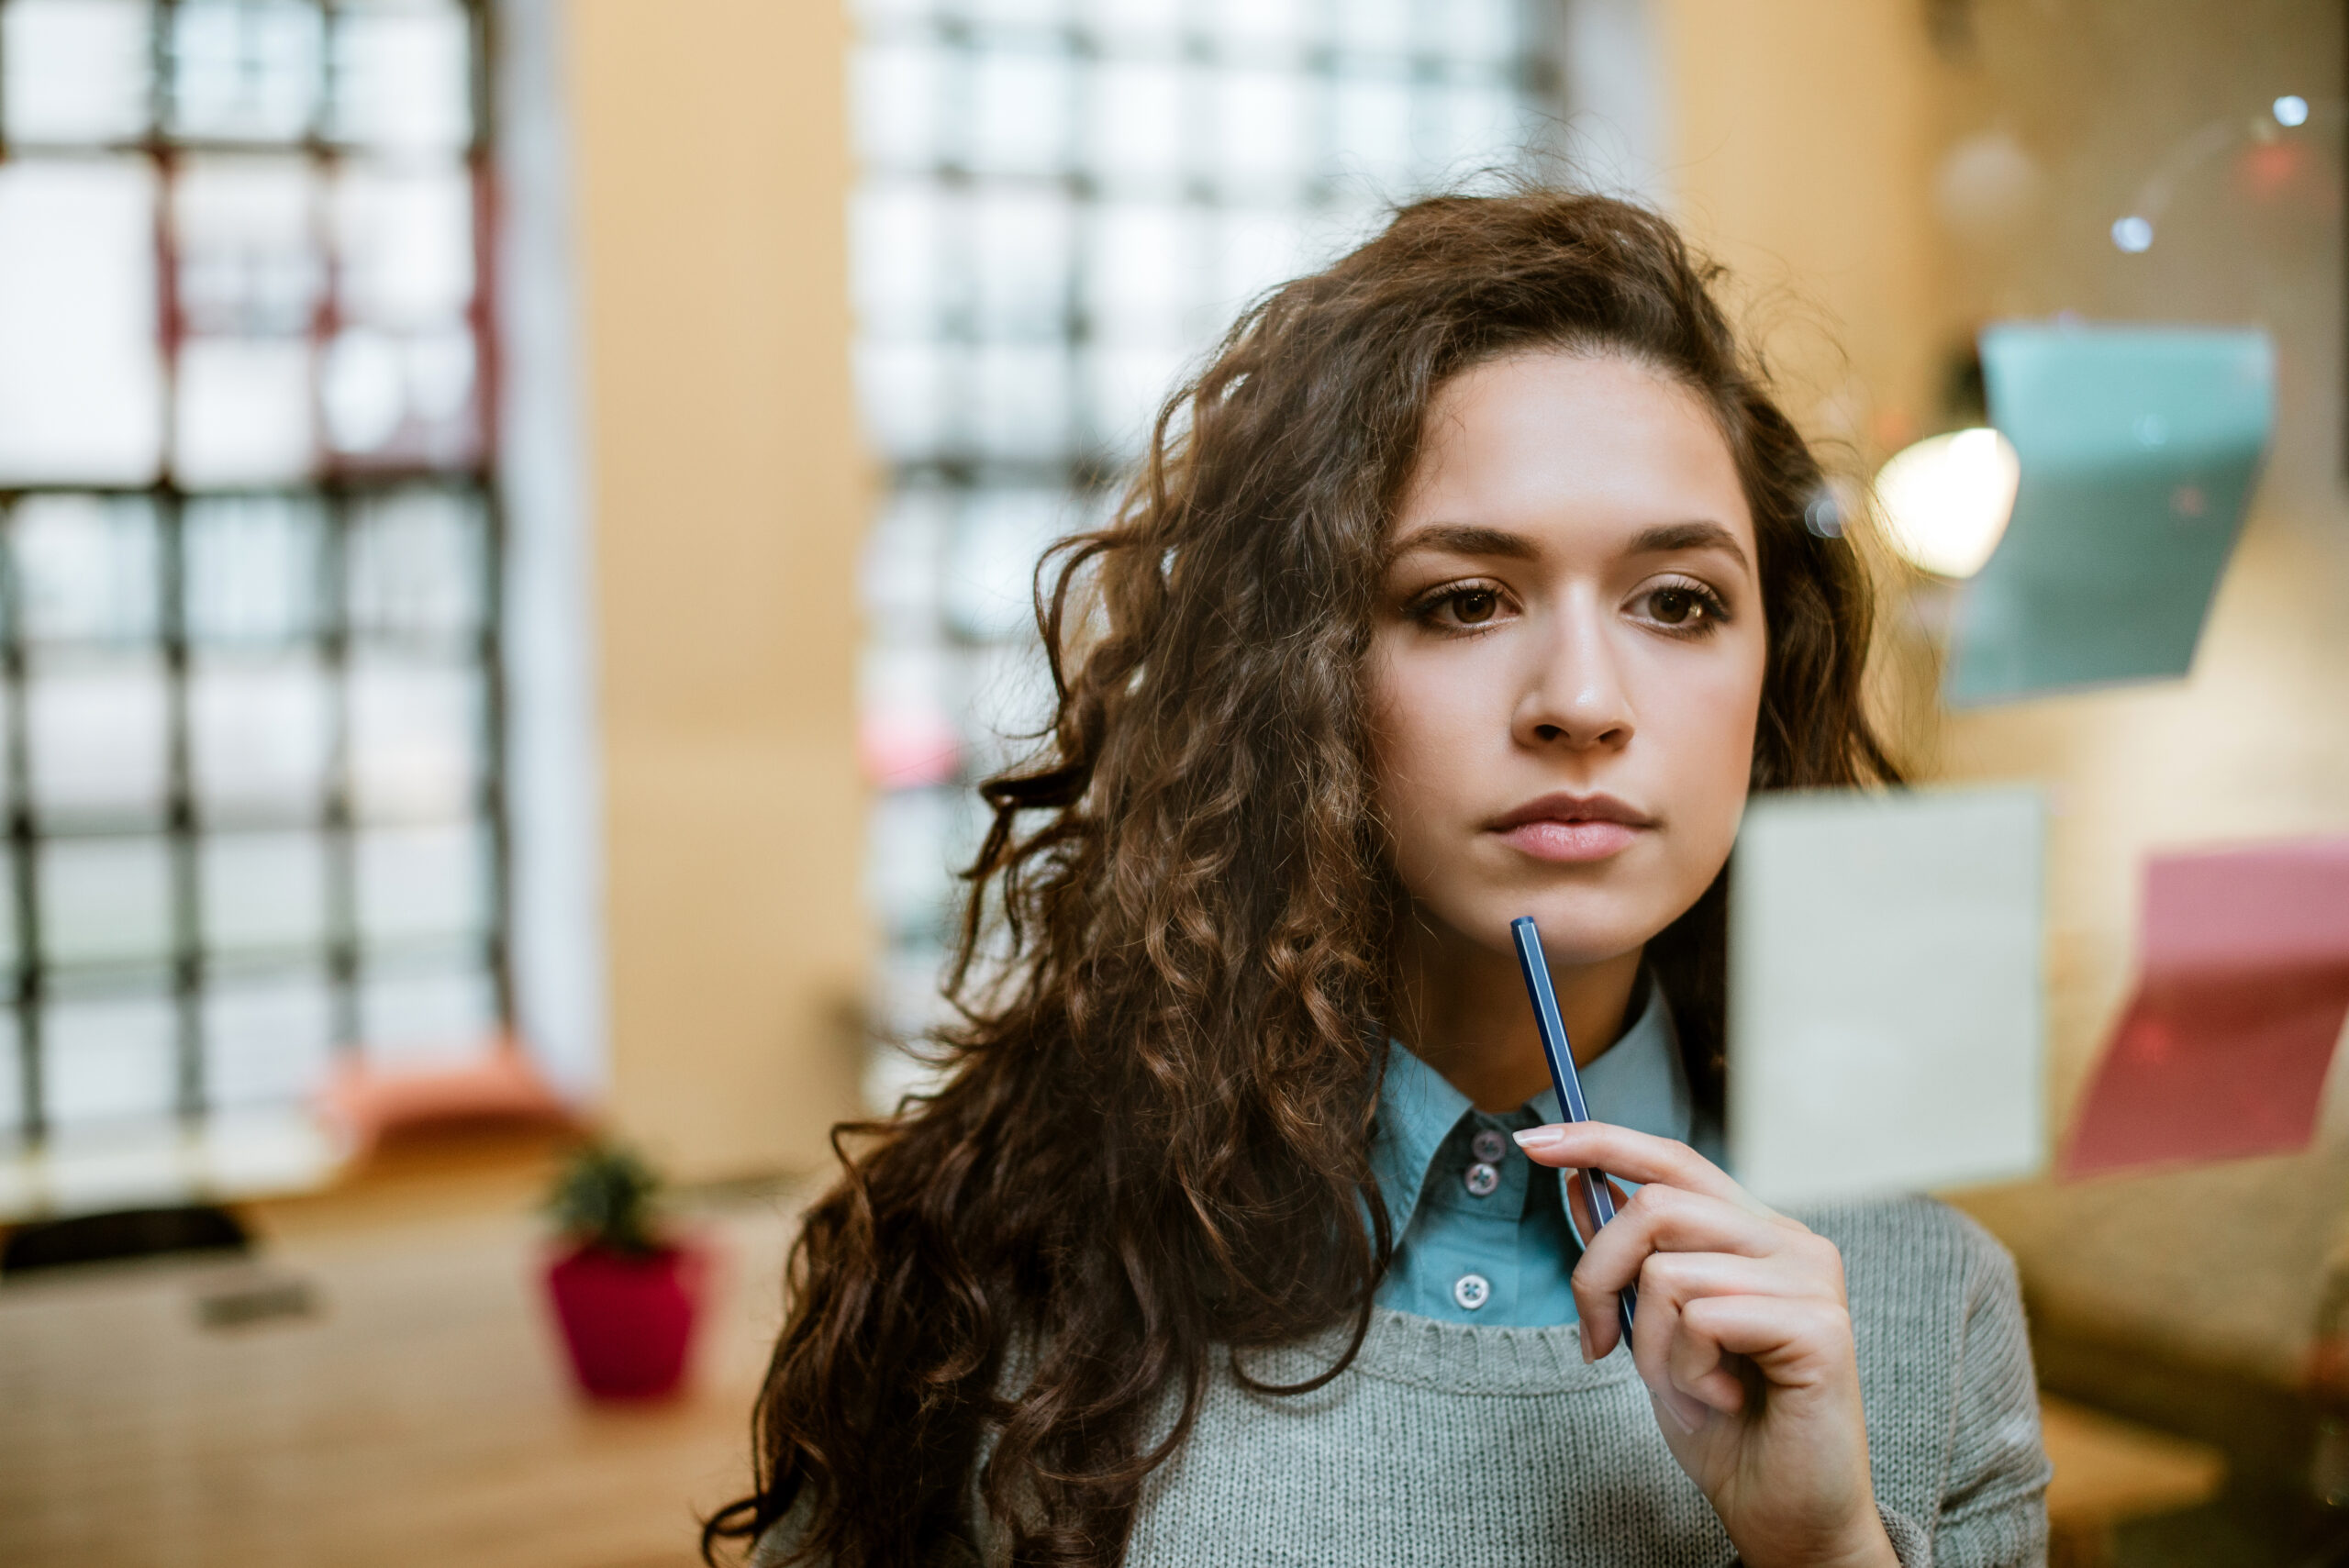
[(418, 1414)]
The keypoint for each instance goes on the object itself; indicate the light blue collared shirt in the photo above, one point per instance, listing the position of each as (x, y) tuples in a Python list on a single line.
[(1499, 1238)]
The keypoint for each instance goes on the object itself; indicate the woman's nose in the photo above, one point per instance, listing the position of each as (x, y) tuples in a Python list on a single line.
[(1575, 695)]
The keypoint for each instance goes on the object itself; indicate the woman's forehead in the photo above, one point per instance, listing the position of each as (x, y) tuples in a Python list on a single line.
[(1559, 448)]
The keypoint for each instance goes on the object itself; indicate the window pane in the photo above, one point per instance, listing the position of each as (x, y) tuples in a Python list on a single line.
[(88, 568), (108, 1059), (1019, 122), (404, 238), (77, 70), (268, 1038), (247, 228), (259, 733), (253, 565), (98, 727), (422, 883), (402, 74), (427, 1015), (245, 70), (417, 567), (1025, 241), (244, 412), (80, 380), (263, 890), (416, 733), (105, 900), (11, 1079)]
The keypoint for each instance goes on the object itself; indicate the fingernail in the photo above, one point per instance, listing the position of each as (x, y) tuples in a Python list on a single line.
[(1539, 1138), (1584, 1339)]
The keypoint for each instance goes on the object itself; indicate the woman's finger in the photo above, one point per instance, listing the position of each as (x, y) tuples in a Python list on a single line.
[(1660, 1219), (1792, 1343), (1632, 1156)]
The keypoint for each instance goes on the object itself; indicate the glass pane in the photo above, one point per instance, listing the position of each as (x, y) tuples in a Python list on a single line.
[(1263, 27), (415, 732), (268, 1039), (245, 70), (899, 571), (250, 260), (1376, 26), (906, 733), (12, 1080), (80, 383), (402, 74), (408, 394), (414, 1016), (263, 890), (1008, 698), (98, 727), (899, 391), (253, 565), (88, 568), (1261, 119), (421, 883), (897, 89), (11, 953), (991, 562), (244, 412), (1375, 131), (405, 240), (1137, 120), (1021, 102), (77, 70), (1143, 276), (1022, 400), (105, 900), (417, 568), (107, 1058), (1024, 251), (260, 737), (897, 260)]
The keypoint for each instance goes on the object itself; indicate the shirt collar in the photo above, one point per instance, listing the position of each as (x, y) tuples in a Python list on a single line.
[(1639, 1083)]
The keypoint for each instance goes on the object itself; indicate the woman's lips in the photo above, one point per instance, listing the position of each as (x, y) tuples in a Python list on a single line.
[(1550, 840)]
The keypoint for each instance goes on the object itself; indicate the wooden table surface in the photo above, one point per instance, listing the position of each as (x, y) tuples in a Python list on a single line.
[(419, 1414)]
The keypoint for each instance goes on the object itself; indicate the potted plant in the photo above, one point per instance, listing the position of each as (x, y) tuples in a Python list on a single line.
[(626, 1297)]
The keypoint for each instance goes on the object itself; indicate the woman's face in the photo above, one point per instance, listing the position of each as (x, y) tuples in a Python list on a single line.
[(1567, 658)]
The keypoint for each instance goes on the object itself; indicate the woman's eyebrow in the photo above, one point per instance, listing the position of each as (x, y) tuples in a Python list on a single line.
[(1667, 537), (1466, 539)]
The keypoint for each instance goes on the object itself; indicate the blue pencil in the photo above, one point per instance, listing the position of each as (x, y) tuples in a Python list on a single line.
[(1564, 1079)]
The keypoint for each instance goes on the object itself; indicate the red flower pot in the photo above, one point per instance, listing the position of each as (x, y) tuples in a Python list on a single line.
[(628, 1320)]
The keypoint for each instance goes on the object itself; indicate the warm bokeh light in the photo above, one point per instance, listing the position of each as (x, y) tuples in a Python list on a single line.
[(1945, 500)]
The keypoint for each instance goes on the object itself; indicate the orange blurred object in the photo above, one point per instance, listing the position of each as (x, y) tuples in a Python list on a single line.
[(365, 1104)]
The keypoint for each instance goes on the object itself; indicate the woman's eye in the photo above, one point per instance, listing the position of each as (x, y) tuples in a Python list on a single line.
[(1673, 606), (1472, 606), (1683, 608)]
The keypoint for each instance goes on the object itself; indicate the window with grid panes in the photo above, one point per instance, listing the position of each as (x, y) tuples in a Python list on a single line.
[(249, 567), (1062, 203)]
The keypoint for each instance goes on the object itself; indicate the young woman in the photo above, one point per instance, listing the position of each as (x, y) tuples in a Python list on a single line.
[(1470, 581)]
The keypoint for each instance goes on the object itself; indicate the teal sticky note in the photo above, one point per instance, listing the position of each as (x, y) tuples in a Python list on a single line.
[(2139, 447)]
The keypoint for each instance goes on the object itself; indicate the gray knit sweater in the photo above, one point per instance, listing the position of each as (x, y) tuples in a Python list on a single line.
[(1452, 1444)]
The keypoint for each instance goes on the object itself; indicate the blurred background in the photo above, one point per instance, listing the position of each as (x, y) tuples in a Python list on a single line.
[(515, 529)]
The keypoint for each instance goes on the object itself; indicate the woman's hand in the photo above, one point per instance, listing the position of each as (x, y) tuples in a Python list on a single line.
[(1744, 1339)]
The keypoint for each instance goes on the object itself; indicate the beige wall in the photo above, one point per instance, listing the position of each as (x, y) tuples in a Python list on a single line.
[(729, 494), (1808, 136)]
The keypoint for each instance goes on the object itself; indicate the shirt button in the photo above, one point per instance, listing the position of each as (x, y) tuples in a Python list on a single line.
[(1488, 1146), (1482, 1179), (1472, 1291)]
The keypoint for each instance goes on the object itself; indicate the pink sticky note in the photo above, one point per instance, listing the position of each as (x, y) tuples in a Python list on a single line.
[(2242, 986)]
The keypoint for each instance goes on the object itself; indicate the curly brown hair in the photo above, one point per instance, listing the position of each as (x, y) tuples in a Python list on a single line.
[(1152, 1147)]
